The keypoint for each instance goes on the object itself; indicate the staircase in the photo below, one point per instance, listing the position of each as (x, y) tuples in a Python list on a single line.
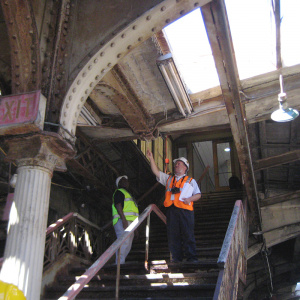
[(163, 280)]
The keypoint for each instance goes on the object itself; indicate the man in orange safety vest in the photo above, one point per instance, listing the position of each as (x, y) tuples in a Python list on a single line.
[(181, 193)]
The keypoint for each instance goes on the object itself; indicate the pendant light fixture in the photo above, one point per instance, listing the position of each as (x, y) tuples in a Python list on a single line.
[(284, 113)]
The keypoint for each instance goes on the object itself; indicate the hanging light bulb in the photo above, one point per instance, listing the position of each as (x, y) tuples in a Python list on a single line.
[(284, 113)]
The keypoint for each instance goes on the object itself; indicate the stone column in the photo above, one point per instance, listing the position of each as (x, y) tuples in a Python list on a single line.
[(37, 156)]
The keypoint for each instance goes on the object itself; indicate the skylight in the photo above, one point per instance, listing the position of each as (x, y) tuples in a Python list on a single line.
[(290, 37), (253, 33), (192, 53)]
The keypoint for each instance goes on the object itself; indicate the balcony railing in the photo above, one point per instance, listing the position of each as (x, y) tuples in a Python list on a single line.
[(75, 235)]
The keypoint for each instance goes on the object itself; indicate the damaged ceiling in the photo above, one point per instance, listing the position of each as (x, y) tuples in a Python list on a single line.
[(133, 101)]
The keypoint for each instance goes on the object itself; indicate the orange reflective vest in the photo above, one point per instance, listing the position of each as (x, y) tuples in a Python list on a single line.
[(174, 198)]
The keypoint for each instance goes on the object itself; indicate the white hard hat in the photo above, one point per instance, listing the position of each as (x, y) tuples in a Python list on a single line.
[(119, 178), (184, 160)]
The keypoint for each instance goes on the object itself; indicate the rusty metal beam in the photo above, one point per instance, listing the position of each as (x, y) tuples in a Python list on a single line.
[(24, 45), (162, 43), (55, 61), (138, 118), (55, 51), (145, 118), (217, 26)]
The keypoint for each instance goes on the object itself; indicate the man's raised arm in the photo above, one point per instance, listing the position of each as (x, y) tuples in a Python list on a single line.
[(153, 165)]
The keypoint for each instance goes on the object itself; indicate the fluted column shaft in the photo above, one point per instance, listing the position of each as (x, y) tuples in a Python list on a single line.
[(25, 244), (37, 156)]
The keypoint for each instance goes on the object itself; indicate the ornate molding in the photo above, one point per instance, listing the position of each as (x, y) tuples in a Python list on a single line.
[(46, 149)]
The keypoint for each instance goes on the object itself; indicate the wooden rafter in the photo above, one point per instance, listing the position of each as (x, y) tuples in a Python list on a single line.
[(264, 152), (216, 22), (276, 160), (280, 198)]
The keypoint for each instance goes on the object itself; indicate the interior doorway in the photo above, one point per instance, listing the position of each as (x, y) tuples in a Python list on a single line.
[(222, 164), (214, 164)]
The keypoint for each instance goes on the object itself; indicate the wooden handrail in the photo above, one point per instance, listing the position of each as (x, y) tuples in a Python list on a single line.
[(232, 260), (203, 174), (238, 208), (74, 290)]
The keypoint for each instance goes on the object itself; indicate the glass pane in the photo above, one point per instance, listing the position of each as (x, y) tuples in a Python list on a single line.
[(224, 163), (203, 158), (252, 28), (192, 53), (290, 34), (182, 152)]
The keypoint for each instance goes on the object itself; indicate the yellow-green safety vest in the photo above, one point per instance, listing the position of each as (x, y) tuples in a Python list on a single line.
[(10, 292), (130, 209)]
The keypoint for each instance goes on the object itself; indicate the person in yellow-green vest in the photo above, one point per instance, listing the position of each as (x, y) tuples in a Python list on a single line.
[(124, 211)]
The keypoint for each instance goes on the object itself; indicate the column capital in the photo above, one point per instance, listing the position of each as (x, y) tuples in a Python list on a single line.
[(43, 149)]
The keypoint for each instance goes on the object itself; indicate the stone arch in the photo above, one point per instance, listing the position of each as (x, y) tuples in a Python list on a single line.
[(119, 46)]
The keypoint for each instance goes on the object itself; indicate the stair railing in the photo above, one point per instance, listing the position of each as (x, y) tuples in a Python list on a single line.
[(72, 234), (232, 260), (75, 289)]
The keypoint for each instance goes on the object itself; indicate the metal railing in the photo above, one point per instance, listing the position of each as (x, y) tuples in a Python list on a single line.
[(232, 260), (75, 235), (75, 289)]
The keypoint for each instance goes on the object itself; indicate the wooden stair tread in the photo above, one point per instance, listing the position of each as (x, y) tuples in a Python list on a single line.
[(163, 279)]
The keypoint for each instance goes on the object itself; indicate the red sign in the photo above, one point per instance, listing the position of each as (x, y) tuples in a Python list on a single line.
[(19, 108), (20, 114)]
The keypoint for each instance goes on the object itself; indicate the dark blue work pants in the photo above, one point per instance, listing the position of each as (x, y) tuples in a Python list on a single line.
[(180, 230)]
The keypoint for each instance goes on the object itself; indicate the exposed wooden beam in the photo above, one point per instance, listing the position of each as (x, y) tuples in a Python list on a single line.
[(201, 136), (293, 142), (280, 198), (264, 152), (100, 134), (277, 146), (276, 160), (217, 26)]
